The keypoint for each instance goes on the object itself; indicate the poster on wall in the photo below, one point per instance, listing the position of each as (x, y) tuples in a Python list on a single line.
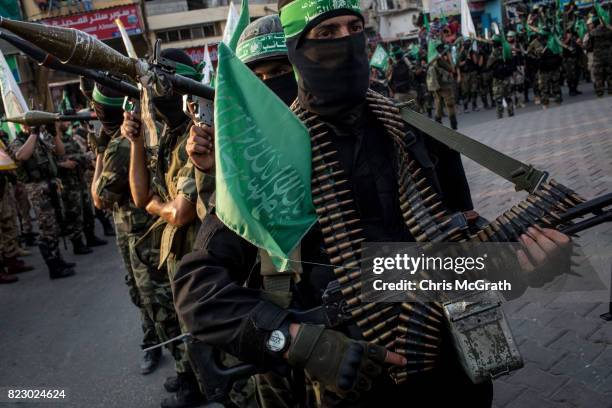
[(446, 7), (101, 23)]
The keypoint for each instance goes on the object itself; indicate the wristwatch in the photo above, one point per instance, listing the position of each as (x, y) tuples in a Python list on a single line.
[(279, 340)]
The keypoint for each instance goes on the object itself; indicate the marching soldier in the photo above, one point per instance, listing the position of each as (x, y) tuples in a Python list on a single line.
[(549, 65), (468, 65), (36, 152), (599, 42), (572, 55), (441, 83), (501, 64)]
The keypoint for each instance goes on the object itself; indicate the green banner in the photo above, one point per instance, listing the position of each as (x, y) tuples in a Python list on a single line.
[(262, 174), (297, 14), (380, 59)]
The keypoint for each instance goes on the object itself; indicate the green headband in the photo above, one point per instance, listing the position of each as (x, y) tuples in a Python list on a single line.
[(297, 14), (261, 46), (115, 102), (187, 71)]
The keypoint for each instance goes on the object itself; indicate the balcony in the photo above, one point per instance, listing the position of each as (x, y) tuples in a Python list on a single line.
[(41, 9)]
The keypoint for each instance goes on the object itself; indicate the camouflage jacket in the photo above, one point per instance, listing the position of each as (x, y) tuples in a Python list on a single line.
[(73, 178), (599, 41), (113, 188), (41, 166), (440, 75), (174, 175)]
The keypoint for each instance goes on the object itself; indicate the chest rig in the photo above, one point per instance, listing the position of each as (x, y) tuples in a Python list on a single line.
[(412, 329)]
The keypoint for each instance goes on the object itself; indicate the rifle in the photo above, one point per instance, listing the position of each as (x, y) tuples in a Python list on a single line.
[(50, 61), (76, 47)]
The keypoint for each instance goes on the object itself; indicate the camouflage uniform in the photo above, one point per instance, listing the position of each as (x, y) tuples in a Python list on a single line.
[(441, 83), (23, 208), (149, 286), (9, 229), (599, 41), (485, 82), (42, 186), (172, 174), (502, 81), (469, 79), (549, 75), (74, 188)]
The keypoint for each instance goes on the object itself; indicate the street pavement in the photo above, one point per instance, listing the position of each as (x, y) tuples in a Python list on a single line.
[(82, 334)]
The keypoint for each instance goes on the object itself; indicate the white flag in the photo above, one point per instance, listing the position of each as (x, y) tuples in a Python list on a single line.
[(14, 103), (230, 23), (467, 25), (207, 70)]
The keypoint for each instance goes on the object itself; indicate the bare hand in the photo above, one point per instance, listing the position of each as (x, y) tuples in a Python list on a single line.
[(68, 164), (200, 147), (130, 127), (541, 245)]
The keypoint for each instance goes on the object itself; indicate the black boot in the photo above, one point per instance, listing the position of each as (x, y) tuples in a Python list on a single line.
[(29, 239), (79, 248), (171, 384), (93, 241), (109, 231), (453, 122), (188, 393), (150, 361), (57, 271), (65, 263)]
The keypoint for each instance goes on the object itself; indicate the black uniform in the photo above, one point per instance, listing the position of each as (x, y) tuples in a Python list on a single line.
[(218, 308)]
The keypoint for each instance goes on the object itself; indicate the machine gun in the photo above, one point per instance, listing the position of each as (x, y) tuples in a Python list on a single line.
[(78, 48), (50, 61)]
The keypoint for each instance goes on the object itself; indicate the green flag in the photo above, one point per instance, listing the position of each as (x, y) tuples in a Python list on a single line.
[(580, 28), (414, 51), (603, 15), (432, 50), (380, 59), (65, 105), (443, 19), (553, 44), (243, 21), (426, 22), (262, 174)]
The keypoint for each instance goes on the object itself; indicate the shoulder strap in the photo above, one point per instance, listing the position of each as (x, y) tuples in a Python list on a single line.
[(523, 176)]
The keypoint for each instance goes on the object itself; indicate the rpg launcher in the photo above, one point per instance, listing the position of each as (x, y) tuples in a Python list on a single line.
[(78, 48), (37, 118), (45, 59)]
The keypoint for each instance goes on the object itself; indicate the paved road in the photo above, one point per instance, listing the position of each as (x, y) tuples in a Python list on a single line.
[(82, 334)]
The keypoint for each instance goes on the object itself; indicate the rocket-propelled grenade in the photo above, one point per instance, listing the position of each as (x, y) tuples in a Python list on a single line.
[(50, 61), (36, 118), (76, 47)]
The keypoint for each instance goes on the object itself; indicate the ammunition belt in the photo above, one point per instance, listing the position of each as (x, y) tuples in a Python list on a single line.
[(409, 328)]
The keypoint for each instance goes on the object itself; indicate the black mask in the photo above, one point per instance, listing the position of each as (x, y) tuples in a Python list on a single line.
[(284, 86), (110, 117), (168, 109), (333, 75)]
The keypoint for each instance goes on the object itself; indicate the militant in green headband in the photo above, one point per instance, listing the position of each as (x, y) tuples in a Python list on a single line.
[(113, 101), (297, 14), (260, 46)]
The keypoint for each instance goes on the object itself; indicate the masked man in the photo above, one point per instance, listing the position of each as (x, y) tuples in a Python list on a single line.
[(226, 303)]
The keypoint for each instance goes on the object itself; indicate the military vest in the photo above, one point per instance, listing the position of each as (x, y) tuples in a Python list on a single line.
[(41, 166)]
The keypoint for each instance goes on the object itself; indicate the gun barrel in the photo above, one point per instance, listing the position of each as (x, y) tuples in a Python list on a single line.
[(34, 118), (50, 61), (73, 46)]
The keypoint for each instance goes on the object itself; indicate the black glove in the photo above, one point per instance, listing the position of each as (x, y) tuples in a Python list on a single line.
[(343, 365)]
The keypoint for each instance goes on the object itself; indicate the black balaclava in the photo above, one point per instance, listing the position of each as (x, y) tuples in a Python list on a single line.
[(284, 86), (110, 115), (333, 75), (169, 108)]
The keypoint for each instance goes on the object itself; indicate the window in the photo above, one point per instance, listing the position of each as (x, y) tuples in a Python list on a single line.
[(185, 33), (209, 30), (197, 32), (162, 35), (173, 36)]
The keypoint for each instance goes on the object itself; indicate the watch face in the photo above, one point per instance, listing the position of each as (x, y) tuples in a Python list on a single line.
[(277, 341)]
